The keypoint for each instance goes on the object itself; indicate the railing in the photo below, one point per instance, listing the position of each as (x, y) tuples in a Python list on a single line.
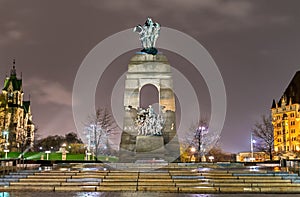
[(7, 166), (291, 165)]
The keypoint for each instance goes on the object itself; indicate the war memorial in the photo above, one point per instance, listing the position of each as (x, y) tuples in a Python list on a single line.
[(149, 151), (147, 135)]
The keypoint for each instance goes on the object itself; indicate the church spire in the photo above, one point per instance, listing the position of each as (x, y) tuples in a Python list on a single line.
[(274, 104), (13, 71)]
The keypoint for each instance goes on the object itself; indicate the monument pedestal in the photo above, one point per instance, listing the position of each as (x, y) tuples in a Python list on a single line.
[(145, 69), (149, 147)]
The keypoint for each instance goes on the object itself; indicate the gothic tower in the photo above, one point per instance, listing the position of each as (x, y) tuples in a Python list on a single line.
[(17, 128)]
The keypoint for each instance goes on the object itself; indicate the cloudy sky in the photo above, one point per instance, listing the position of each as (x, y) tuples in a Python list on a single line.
[(255, 44)]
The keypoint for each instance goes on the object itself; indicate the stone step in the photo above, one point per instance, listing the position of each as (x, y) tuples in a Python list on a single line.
[(297, 180), (187, 177), (259, 174), (193, 184), (124, 171), (48, 177), (142, 176), (21, 173), (61, 171), (282, 189), (201, 190), (4, 183), (27, 188), (154, 174), (88, 176), (55, 174), (220, 177), (260, 177), (159, 183), (119, 180), (155, 180), (121, 177), (15, 176), (249, 180), (157, 188), (123, 174), (9, 179), (42, 180), (84, 180), (275, 184), (115, 189), (80, 184), (267, 181), (119, 183), (239, 189), (35, 183), (78, 188)]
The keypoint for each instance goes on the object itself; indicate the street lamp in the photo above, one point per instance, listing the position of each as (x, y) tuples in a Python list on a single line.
[(200, 130), (192, 157), (47, 152), (6, 151), (251, 144)]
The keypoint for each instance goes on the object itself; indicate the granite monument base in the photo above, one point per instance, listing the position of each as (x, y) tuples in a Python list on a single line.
[(149, 147)]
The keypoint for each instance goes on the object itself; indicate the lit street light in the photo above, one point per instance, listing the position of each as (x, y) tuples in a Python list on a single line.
[(200, 131), (6, 151), (252, 152), (47, 152)]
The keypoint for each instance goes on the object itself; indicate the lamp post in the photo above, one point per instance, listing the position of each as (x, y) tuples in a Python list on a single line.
[(6, 151), (47, 152), (200, 130), (192, 157), (251, 147)]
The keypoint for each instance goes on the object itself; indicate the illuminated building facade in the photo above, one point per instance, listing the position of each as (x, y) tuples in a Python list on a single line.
[(285, 119), (17, 128)]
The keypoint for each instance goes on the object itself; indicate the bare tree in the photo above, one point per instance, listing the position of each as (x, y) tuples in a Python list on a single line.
[(263, 133), (199, 138), (98, 130)]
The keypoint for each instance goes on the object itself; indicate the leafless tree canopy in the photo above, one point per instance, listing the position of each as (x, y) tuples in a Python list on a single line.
[(99, 128), (198, 137), (263, 132)]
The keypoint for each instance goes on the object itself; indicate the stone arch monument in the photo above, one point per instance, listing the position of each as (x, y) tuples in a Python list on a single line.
[(147, 135)]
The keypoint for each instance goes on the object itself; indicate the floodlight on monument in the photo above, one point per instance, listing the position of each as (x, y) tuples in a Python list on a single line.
[(193, 149)]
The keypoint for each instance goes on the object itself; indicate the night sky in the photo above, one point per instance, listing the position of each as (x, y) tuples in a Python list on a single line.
[(255, 44)]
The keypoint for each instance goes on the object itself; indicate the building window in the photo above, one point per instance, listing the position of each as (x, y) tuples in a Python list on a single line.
[(292, 123), (293, 131), (292, 115), (279, 125)]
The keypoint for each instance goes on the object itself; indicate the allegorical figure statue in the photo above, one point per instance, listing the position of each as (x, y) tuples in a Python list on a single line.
[(149, 33), (149, 123)]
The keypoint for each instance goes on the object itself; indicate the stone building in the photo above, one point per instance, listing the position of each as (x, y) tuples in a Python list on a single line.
[(17, 128), (285, 119)]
